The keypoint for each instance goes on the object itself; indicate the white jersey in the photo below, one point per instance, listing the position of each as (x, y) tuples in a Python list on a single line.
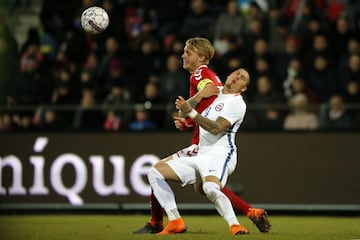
[(217, 154), (232, 107)]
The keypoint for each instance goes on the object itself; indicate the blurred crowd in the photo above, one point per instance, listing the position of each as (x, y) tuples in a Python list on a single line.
[(303, 56)]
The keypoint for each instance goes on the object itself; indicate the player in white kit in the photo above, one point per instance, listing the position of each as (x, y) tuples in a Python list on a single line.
[(216, 159)]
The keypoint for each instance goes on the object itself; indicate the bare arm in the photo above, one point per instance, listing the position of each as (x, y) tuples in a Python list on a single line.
[(215, 127), (209, 90)]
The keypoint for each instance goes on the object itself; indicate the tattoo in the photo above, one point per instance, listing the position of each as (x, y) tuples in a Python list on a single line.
[(193, 102), (220, 125)]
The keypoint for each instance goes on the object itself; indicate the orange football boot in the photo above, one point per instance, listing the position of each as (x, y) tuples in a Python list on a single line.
[(173, 227), (260, 218), (238, 230)]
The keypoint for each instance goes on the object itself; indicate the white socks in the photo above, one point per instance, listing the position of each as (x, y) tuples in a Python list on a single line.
[(222, 203), (163, 193)]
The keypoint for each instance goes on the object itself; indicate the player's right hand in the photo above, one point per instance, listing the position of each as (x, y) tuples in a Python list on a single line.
[(181, 123)]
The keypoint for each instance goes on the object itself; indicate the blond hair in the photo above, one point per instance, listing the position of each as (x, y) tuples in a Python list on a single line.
[(202, 47)]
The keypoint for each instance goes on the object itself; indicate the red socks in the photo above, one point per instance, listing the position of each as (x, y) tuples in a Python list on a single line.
[(238, 204), (157, 212)]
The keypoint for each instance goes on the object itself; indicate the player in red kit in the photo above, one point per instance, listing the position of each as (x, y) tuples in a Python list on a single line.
[(197, 54)]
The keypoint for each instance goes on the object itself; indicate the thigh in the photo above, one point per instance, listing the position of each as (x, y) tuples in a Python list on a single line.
[(189, 151), (219, 164), (185, 169)]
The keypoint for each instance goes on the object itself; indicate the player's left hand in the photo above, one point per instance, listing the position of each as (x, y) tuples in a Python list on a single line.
[(182, 105)]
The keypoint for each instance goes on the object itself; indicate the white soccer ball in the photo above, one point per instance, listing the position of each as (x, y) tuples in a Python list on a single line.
[(94, 20)]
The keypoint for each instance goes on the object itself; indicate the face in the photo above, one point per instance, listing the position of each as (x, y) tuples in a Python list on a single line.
[(237, 81), (191, 59)]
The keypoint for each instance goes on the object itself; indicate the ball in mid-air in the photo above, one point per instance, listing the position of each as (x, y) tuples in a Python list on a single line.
[(94, 20)]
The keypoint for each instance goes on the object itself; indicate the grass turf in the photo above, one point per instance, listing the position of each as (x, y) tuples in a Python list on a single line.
[(111, 227)]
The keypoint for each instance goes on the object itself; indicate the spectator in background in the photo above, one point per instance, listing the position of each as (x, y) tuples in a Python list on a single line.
[(266, 97), (117, 107), (300, 118), (300, 85), (260, 50), (115, 10), (65, 78), (23, 121), (91, 65), (229, 24), (321, 47), (255, 31), (340, 35), (176, 47), (262, 67), (198, 22), (115, 74), (291, 52), (233, 59), (152, 100), (47, 119), (293, 70), (87, 116), (66, 93), (312, 27), (32, 38), (111, 55), (169, 15), (351, 98), (31, 52), (353, 47), (334, 116), (352, 71), (32, 86), (301, 13), (146, 61), (6, 123), (322, 77), (173, 80), (261, 62), (279, 31), (257, 21), (141, 121)]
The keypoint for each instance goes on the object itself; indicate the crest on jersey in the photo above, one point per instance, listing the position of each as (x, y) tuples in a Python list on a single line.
[(219, 107)]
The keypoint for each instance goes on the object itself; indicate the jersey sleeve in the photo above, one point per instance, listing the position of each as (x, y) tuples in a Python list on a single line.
[(201, 84)]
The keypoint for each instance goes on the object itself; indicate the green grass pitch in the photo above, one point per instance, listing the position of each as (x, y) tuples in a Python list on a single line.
[(212, 227)]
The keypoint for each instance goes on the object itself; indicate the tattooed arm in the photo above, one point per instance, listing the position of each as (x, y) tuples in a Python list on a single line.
[(208, 91), (215, 127)]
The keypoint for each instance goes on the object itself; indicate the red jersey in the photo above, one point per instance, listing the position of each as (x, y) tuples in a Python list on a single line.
[(202, 76)]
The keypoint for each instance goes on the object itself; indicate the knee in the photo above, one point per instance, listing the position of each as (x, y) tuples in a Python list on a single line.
[(154, 174), (211, 190)]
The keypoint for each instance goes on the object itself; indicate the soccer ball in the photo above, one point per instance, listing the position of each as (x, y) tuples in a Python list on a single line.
[(94, 20)]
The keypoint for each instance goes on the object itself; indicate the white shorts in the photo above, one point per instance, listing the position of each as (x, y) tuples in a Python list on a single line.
[(218, 162)]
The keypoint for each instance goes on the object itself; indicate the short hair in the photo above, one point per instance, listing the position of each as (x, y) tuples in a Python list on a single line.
[(202, 46)]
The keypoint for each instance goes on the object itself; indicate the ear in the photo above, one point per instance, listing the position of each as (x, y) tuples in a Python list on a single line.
[(202, 59), (243, 89)]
